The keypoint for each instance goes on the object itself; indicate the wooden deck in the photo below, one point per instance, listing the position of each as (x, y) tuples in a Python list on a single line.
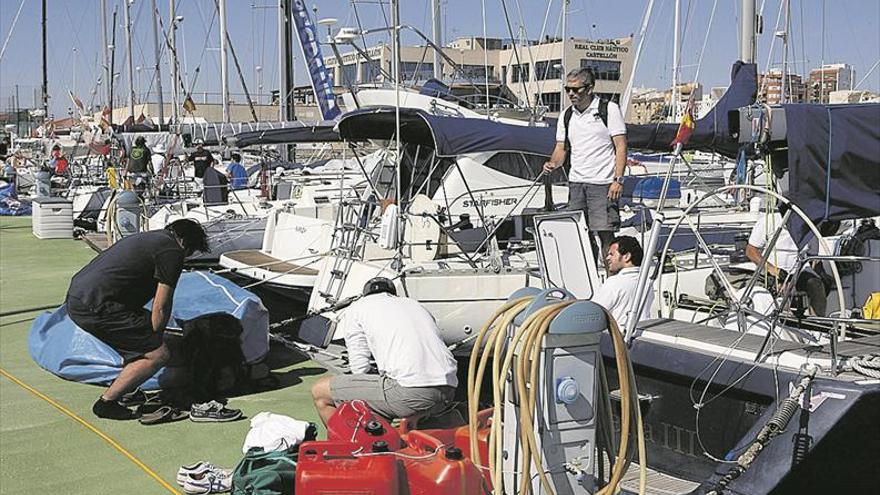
[(259, 259)]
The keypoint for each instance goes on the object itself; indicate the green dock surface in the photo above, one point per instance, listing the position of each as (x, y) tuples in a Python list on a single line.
[(50, 443)]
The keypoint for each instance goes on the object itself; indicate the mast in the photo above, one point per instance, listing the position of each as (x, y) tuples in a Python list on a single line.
[(45, 92), (106, 52), (172, 40), (224, 64), (676, 49), (747, 32), (784, 36), (562, 59), (282, 61), (158, 54), (112, 62), (395, 71), (437, 35), (127, 4)]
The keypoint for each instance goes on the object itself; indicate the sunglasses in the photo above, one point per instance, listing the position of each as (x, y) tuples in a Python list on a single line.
[(576, 89)]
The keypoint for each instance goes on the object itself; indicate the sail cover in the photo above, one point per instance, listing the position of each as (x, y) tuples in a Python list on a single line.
[(58, 345), (319, 133), (448, 136), (833, 162), (711, 132)]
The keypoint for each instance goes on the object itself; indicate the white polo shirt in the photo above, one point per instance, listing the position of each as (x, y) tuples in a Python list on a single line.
[(785, 251), (617, 295), (592, 151), (402, 337)]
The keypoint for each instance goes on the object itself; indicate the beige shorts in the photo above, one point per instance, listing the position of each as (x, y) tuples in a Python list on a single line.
[(388, 398)]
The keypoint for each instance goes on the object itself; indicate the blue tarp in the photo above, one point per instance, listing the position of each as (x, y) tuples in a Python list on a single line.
[(58, 345), (10, 205), (833, 162), (448, 136)]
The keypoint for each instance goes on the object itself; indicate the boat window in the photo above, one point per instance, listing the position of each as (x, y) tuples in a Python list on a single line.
[(523, 166)]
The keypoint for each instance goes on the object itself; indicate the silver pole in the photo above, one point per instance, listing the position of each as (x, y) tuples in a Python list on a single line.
[(224, 68), (129, 56), (564, 68), (106, 51), (676, 49), (747, 32), (172, 40), (158, 73), (282, 63), (395, 72), (786, 24), (438, 38)]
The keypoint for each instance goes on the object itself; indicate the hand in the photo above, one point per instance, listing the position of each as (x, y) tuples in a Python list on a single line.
[(614, 191), (549, 166)]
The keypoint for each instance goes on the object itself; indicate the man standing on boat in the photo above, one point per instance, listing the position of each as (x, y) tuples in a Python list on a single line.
[(107, 297), (201, 158), (417, 373), (624, 260), (591, 137)]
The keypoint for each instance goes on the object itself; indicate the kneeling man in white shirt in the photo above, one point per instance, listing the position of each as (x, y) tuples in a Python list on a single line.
[(619, 290), (417, 373)]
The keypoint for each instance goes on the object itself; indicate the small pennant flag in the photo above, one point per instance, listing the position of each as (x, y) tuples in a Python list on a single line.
[(189, 105), (76, 101), (686, 128)]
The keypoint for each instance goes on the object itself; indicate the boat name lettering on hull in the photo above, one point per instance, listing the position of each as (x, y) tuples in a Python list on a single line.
[(468, 203)]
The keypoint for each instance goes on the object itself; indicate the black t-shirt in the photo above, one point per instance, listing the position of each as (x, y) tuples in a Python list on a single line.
[(202, 159), (128, 272), (139, 160)]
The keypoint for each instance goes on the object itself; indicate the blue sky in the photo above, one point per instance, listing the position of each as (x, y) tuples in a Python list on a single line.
[(852, 34)]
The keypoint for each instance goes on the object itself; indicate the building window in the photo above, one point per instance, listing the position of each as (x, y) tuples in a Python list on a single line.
[(519, 73), (475, 71), (349, 74), (370, 71), (548, 69), (416, 71), (603, 70), (549, 100), (504, 73)]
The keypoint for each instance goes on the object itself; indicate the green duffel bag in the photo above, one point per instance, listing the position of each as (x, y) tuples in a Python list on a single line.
[(265, 473)]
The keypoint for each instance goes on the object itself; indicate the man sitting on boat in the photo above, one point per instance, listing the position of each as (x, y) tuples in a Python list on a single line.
[(107, 297), (417, 373), (238, 177), (591, 136), (620, 288), (783, 259)]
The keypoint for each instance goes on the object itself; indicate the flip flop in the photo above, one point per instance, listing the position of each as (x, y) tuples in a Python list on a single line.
[(165, 414)]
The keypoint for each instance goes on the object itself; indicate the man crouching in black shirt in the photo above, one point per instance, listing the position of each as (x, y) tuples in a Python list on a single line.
[(107, 297)]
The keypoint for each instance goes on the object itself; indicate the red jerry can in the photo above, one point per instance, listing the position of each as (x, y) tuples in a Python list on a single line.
[(433, 469), (355, 422), (326, 468), (462, 441)]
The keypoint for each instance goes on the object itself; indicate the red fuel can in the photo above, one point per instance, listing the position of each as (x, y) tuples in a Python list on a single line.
[(434, 468), (462, 441), (326, 468), (355, 422)]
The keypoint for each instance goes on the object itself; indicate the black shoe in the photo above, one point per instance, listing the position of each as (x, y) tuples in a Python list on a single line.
[(133, 399), (111, 409)]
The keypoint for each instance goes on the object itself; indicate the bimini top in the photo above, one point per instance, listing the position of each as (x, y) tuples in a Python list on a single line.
[(448, 136), (833, 162), (711, 131), (320, 132)]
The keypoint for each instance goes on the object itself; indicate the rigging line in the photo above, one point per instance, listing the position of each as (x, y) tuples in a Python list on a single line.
[(705, 42), (803, 45), (11, 29), (93, 429), (516, 56), (770, 52), (868, 74)]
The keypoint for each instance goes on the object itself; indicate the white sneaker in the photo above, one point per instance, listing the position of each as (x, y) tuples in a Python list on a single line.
[(219, 481), (198, 470)]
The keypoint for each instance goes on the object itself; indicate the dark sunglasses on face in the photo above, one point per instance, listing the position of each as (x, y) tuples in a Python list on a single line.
[(575, 89)]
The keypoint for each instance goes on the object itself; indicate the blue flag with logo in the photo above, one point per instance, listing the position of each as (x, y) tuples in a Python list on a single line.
[(322, 82)]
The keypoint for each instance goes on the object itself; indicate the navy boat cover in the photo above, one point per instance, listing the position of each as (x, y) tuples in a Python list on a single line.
[(58, 345), (833, 162), (323, 132), (711, 131), (448, 136)]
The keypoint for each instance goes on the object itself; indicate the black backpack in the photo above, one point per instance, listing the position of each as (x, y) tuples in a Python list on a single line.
[(603, 114)]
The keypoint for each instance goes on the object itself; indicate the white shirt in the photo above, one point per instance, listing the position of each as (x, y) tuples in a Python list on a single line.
[(617, 295), (158, 161), (592, 150), (785, 251), (402, 337)]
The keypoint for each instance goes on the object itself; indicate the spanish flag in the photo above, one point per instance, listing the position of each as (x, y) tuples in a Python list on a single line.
[(686, 128)]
